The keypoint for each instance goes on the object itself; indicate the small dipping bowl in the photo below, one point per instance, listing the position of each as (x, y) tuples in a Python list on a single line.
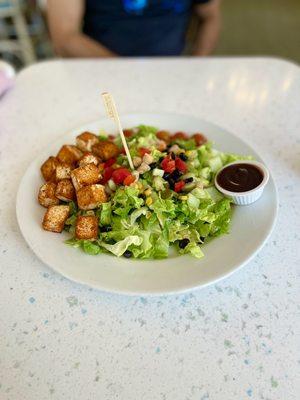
[(243, 198)]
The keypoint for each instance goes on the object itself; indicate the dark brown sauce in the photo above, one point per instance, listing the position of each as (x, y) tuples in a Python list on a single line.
[(240, 177)]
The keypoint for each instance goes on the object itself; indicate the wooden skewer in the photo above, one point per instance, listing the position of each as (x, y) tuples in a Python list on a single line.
[(112, 113)]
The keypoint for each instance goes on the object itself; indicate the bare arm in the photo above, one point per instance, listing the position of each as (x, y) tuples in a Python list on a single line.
[(209, 29), (65, 20)]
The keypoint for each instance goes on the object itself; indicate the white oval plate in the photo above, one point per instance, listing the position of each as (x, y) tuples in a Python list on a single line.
[(250, 227)]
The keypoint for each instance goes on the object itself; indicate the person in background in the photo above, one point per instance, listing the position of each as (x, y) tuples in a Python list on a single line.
[(111, 28)]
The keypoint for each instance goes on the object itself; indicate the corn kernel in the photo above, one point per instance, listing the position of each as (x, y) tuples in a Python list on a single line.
[(183, 198), (148, 192), (140, 185), (148, 214), (149, 201)]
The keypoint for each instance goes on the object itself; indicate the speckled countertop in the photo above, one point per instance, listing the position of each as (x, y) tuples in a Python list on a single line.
[(236, 340)]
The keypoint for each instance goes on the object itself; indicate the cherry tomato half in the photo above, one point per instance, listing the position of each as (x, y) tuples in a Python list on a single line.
[(199, 139), (119, 175)]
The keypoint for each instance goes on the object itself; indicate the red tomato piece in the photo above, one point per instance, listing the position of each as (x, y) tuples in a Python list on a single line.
[(164, 162), (111, 137), (168, 165), (199, 139), (180, 165), (163, 135), (122, 151), (107, 174), (129, 180), (119, 175), (179, 186), (128, 132), (143, 151), (109, 162), (180, 135)]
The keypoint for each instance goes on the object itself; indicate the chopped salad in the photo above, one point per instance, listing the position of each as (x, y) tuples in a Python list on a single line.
[(169, 200)]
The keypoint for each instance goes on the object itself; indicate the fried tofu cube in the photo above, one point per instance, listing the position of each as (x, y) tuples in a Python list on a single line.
[(87, 175), (69, 154), (105, 150), (63, 171), (65, 190), (86, 227), (90, 197), (86, 140), (48, 168), (47, 196), (55, 218), (88, 158)]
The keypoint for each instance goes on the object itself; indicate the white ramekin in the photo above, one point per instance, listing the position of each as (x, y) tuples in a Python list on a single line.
[(245, 198)]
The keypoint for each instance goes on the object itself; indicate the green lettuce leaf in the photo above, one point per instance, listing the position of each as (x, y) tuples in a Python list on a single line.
[(120, 247)]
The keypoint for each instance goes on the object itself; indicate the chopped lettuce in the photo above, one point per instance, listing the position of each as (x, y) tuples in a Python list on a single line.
[(88, 246), (130, 223)]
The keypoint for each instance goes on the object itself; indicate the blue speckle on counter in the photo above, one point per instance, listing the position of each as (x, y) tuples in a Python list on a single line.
[(143, 300), (31, 300), (72, 325), (157, 350), (249, 392), (83, 311), (247, 362)]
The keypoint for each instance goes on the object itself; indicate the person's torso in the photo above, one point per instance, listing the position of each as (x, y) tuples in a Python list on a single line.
[(138, 27)]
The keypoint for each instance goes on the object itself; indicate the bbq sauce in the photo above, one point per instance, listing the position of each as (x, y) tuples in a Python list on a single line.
[(240, 177)]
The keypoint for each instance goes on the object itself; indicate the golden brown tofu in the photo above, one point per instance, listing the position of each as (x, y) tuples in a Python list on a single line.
[(87, 175), (48, 168), (86, 140), (90, 197), (55, 218), (105, 150), (88, 158), (69, 154), (47, 196), (86, 227), (63, 171), (65, 190)]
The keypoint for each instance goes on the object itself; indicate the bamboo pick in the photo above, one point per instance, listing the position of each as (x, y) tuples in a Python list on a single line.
[(112, 113)]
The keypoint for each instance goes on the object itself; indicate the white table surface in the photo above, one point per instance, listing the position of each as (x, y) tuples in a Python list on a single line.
[(234, 340)]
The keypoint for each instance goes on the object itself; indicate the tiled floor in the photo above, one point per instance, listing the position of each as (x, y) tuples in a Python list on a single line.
[(261, 27)]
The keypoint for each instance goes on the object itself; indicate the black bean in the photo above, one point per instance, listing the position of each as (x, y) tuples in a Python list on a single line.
[(172, 155), (183, 157), (202, 238), (175, 175), (142, 196), (127, 254), (161, 159), (188, 180), (166, 175), (153, 165), (183, 243), (106, 228), (171, 183)]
